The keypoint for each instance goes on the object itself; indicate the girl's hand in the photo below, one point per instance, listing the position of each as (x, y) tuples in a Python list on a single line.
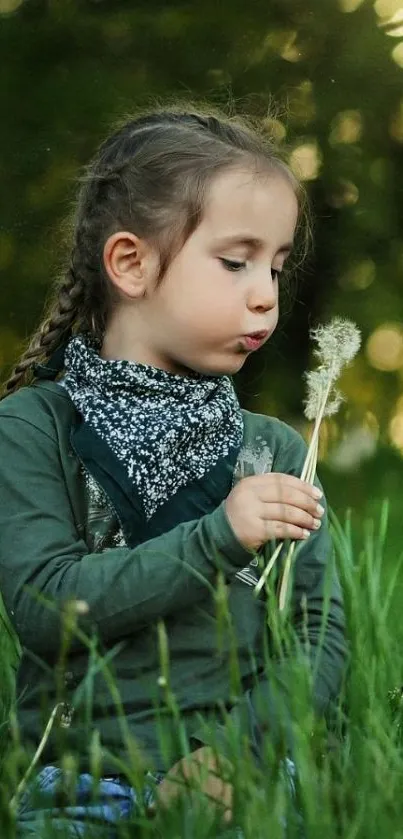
[(201, 771), (273, 506)]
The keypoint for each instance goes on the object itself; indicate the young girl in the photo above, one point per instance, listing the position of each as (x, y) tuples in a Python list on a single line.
[(131, 480)]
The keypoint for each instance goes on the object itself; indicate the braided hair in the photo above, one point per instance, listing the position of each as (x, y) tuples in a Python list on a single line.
[(150, 176)]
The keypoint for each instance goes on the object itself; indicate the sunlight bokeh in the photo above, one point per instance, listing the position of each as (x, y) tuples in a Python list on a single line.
[(306, 161), (9, 6), (397, 54), (384, 347), (396, 426), (387, 9), (346, 128), (350, 5), (360, 276)]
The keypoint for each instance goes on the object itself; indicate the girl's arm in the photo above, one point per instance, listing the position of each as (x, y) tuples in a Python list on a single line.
[(42, 552)]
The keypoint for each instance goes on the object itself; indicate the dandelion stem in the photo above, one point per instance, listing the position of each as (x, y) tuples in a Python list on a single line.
[(315, 434), (314, 460), (307, 474), (338, 343), (311, 463), (268, 568)]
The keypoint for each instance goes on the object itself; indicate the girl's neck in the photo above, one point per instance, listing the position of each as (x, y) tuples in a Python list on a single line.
[(119, 345)]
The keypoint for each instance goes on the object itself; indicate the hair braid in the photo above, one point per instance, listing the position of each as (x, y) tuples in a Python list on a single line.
[(56, 327)]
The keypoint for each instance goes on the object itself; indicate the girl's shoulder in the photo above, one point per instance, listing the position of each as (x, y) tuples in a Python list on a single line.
[(43, 404), (276, 430)]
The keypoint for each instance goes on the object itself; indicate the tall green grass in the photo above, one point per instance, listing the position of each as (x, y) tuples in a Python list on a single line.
[(9, 656), (350, 780)]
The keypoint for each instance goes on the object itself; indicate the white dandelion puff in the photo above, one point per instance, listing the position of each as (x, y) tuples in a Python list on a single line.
[(337, 344), (336, 399), (317, 381)]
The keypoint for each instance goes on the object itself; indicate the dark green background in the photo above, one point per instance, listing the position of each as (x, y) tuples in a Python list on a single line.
[(70, 68)]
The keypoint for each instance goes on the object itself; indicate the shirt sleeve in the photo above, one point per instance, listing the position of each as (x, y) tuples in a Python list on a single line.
[(42, 555), (317, 653)]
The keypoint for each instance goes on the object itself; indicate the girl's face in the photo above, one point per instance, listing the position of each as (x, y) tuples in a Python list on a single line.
[(223, 284)]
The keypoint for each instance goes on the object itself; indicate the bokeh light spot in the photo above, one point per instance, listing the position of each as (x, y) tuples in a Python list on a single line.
[(385, 347), (346, 128), (9, 6), (275, 128), (290, 51), (306, 160), (387, 8), (343, 194), (358, 444), (397, 54), (350, 5), (359, 276), (394, 26), (396, 430)]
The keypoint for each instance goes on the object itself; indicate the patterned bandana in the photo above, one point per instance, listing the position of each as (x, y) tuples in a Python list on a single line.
[(166, 429)]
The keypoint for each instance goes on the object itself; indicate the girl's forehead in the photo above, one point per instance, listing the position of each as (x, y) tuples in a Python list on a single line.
[(258, 202)]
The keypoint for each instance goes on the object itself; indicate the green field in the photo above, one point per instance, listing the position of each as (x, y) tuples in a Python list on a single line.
[(350, 784)]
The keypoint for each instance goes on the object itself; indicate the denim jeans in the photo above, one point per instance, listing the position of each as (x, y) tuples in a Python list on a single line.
[(96, 810)]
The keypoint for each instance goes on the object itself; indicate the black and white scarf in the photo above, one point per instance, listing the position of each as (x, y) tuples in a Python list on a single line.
[(165, 429)]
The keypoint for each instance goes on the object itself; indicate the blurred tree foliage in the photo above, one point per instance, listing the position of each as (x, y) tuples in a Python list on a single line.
[(71, 67)]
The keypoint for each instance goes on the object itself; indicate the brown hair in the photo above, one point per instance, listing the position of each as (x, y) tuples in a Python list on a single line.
[(150, 176)]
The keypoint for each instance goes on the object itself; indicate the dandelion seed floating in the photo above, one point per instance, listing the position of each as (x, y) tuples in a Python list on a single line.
[(337, 344)]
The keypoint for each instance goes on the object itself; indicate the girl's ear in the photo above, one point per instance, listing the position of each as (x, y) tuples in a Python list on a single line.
[(131, 264)]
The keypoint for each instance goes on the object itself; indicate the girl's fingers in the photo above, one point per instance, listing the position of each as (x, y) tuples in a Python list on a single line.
[(286, 481), (295, 496), (290, 515), (279, 530)]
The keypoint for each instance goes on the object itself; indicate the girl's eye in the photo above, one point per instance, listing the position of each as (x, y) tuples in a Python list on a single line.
[(232, 264)]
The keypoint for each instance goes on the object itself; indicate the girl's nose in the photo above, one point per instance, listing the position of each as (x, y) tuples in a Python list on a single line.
[(263, 294)]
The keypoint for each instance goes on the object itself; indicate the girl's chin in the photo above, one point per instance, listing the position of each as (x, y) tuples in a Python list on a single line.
[(223, 367), (224, 363)]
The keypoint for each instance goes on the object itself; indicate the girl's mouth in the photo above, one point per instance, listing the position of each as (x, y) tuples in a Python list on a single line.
[(254, 341)]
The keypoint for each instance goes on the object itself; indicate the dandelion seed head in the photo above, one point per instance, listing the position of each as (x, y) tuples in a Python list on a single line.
[(333, 404), (317, 382), (338, 342)]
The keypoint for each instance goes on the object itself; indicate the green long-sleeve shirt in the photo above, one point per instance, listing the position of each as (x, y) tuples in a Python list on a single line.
[(55, 544)]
